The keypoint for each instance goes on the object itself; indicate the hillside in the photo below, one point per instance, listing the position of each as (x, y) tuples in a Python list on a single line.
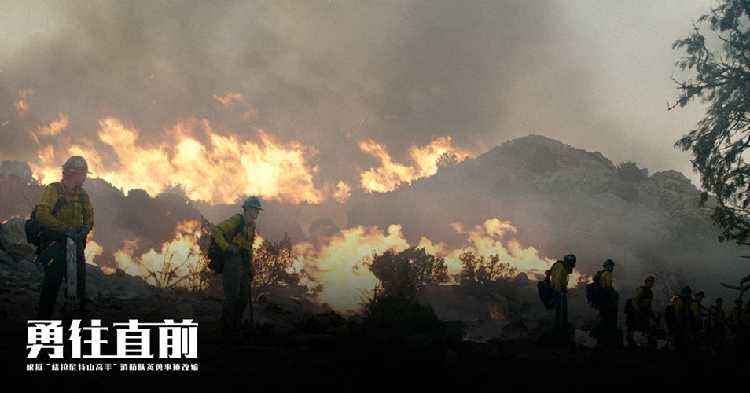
[(562, 199)]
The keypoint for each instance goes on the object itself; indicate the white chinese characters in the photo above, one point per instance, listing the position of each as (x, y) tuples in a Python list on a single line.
[(132, 339)]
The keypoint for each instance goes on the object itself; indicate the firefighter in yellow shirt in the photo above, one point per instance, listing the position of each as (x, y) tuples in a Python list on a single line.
[(234, 237), (608, 306), (64, 211), (641, 316), (684, 320), (559, 274), (699, 311)]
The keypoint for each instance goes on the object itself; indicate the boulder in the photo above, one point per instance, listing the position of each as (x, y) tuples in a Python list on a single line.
[(13, 232), (13, 239)]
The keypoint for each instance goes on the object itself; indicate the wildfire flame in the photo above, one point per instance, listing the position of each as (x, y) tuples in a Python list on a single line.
[(342, 193), (488, 239), (337, 266), (177, 264), (52, 129), (55, 127), (22, 103), (229, 98), (390, 174), (219, 171), (340, 265), (92, 251)]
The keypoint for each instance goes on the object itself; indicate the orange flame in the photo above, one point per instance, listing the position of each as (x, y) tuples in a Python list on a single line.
[(390, 174), (219, 172), (229, 98), (177, 264), (22, 103), (342, 193), (92, 251), (53, 129), (340, 268), (340, 265), (488, 239)]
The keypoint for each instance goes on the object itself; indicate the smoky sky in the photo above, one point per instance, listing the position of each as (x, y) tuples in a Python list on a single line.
[(593, 74)]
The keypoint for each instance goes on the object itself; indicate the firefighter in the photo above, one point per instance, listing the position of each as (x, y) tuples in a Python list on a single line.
[(64, 211), (608, 306), (234, 237), (559, 274), (684, 320), (640, 318), (699, 317)]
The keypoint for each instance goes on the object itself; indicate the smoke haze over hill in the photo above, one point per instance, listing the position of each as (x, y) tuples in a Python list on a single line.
[(330, 74)]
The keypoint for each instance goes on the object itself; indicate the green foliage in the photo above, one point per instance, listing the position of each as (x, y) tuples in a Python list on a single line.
[(404, 274), (722, 80)]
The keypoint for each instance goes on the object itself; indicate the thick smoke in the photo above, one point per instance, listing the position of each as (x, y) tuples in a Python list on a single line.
[(593, 74), (331, 73)]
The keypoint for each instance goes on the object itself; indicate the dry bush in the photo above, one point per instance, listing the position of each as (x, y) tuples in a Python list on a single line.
[(404, 274)]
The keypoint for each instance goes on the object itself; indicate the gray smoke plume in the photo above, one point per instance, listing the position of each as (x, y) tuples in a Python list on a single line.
[(330, 73)]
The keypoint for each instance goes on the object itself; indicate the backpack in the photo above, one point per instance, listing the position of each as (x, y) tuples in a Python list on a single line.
[(211, 250), (35, 233), (546, 294)]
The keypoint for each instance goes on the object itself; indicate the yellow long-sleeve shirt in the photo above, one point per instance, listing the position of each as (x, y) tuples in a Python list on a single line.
[(559, 276), (74, 209), (605, 280), (230, 232)]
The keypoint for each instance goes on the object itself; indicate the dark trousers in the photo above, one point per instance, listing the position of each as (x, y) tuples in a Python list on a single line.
[(640, 321), (236, 279), (608, 334), (561, 313), (54, 272)]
